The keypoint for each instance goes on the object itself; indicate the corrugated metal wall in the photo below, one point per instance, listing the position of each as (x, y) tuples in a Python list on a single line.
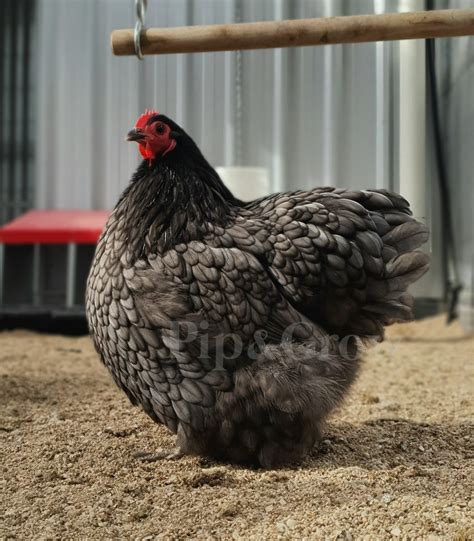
[(312, 116), (455, 64), (17, 131)]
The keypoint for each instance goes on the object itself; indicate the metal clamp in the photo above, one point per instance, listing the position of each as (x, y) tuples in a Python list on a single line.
[(140, 8)]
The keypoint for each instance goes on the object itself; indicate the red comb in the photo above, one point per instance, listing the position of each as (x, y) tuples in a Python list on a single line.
[(143, 119)]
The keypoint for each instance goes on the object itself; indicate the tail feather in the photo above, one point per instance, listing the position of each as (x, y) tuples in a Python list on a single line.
[(387, 298), (406, 269), (407, 236)]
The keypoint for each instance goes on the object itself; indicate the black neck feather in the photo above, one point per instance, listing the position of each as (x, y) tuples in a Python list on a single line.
[(177, 199)]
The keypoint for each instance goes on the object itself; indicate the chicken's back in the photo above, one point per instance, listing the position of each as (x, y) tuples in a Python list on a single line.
[(344, 258)]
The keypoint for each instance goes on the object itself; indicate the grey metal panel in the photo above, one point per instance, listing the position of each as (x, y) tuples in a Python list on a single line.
[(456, 60), (308, 114), (312, 116), (17, 19)]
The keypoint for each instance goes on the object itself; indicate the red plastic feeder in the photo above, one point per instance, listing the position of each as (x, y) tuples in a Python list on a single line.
[(37, 227)]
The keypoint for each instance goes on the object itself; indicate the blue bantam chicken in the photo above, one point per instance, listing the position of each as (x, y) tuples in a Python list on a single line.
[(239, 325)]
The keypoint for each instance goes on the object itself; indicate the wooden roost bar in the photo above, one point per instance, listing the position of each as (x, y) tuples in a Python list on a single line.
[(297, 32)]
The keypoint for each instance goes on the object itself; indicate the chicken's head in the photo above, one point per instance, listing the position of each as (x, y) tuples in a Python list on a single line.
[(154, 135)]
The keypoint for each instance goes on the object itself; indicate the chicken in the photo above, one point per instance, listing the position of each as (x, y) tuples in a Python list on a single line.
[(239, 325)]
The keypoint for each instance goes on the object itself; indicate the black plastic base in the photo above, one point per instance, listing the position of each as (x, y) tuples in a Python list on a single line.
[(47, 320), (73, 322)]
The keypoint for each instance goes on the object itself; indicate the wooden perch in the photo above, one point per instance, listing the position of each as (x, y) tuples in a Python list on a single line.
[(298, 32)]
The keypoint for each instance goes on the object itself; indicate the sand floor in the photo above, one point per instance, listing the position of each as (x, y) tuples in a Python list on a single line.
[(397, 460)]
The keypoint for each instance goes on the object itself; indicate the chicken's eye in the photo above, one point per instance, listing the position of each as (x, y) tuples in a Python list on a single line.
[(160, 128)]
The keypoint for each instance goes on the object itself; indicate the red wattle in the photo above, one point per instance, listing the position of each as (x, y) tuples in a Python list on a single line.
[(146, 152)]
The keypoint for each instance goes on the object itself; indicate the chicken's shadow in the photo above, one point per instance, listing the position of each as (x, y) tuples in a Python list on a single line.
[(430, 339), (389, 443)]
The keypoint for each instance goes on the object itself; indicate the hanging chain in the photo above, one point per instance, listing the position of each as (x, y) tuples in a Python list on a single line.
[(140, 9), (238, 158)]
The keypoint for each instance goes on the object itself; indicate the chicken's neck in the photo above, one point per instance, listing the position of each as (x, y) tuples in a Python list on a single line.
[(173, 202)]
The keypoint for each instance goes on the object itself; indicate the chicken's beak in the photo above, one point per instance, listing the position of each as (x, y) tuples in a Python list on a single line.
[(135, 135)]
